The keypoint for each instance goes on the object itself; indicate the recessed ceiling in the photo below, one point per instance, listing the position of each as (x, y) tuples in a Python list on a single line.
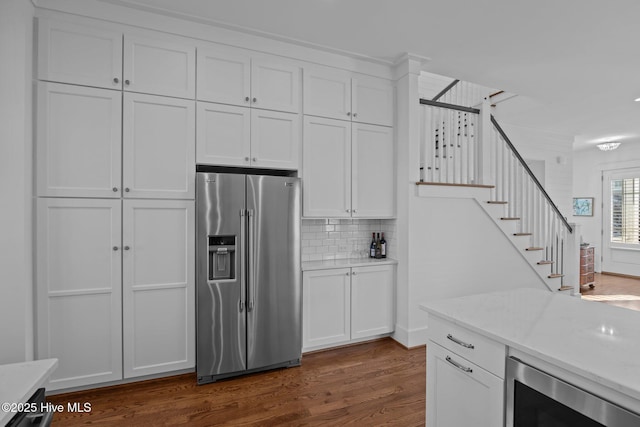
[(573, 63)]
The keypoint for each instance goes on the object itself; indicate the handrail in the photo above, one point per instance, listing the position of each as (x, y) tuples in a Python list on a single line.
[(445, 90), (531, 175), (449, 106)]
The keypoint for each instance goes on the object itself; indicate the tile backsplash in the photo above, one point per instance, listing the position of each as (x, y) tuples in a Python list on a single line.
[(325, 239)]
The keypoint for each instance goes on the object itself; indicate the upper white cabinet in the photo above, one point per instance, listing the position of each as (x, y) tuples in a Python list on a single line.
[(234, 76), (158, 147), (343, 95), (71, 53), (348, 169), (239, 136), (78, 141), (146, 62)]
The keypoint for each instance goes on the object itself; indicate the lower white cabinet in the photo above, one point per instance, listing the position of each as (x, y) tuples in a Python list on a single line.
[(115, 288), (465, 378), (345, 304)]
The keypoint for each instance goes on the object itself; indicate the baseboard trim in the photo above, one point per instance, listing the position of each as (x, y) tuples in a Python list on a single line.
[(410, 338), (628, 276)]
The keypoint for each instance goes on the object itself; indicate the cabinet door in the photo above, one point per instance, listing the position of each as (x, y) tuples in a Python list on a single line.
[(373, 171), (275, 85), (78, 141), (459, 398), (372, 100), (159, 67), (327, 93), (275, 139), (70, 53), (223, 135), (158, 286), (78, 291), (326, 307), (158, 147), (224, 75), (326, 168), (372, 301)]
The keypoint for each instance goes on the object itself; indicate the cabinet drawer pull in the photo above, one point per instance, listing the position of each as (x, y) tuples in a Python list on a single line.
[(462, 343), (459, 366)]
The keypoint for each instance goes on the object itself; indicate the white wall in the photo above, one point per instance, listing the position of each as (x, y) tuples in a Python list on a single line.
[(588, 166), (557, 153), (16, 276)]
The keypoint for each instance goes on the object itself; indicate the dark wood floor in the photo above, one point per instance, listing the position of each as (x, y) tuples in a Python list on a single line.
[(614, 290), (371, 384)]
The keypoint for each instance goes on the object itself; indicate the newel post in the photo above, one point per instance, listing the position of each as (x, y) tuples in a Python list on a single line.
[(484, 144), (572, 260)]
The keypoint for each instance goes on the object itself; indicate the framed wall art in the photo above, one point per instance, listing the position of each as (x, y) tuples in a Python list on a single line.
[(583, 206)]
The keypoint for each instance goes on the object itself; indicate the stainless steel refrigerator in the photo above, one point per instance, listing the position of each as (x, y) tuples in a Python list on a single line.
[(248, 277)]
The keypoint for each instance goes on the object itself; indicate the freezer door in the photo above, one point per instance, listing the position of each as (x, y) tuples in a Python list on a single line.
[(220, 279), (274, 291)]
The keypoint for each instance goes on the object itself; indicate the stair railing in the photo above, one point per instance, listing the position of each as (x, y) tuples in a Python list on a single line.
[(453, 152)]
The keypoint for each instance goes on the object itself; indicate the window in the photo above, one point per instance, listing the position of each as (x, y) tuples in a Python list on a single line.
[(625, 210)]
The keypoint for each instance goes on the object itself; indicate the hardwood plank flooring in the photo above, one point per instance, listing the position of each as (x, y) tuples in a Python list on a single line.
[(614, 290), (370, 384)]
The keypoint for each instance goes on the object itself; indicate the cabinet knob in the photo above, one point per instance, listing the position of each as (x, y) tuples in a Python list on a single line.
[(115, 189), (255, 100), (116, 80), (349, 113), (127, 190), (347, 210), (355, 210), (353, 273), (115, 248), (347, 273), (246, 159), (126, 248), (255, 159), (246, 99), (127, 82), (355, 114)]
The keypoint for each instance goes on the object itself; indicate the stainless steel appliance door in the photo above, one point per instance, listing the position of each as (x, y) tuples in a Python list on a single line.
[(221, 314), (274, 291)]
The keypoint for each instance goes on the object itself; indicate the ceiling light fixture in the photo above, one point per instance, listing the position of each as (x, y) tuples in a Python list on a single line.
[(637, 99), (608, 146)]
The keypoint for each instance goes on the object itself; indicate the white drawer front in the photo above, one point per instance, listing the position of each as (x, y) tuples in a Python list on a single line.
[(476, 348)]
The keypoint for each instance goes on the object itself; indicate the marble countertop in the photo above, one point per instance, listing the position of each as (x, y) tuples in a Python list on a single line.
[(591, 339), (346, 263), (18, 382)]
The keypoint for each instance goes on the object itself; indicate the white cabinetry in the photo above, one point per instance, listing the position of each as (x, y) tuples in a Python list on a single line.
[(92, 56), (465, 377), (158, 286), (348, 169), (339, 94), (78, 141), (158, 147), (234, 76), (92, 321), (239, 136), (345, 304)]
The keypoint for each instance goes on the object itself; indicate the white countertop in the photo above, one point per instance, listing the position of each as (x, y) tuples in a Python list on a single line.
[(346, 263), (18, 382), (591, 339)]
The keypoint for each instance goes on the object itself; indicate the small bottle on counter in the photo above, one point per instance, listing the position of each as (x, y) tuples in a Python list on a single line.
[(372, 247), (383, 244), (378, 253)]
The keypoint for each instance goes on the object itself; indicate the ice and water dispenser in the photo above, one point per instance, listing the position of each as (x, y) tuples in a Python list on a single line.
[(222, 257)]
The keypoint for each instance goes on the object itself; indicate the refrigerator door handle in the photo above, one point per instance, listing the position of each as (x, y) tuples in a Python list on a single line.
[(243, 260), (252, 269)]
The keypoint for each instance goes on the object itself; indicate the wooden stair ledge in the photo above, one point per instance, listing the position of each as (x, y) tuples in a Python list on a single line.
[(545, 262), (553, 276), (565, 288), (504, 218), (533, 248), (496, 202), (455, 185), (522, 234)]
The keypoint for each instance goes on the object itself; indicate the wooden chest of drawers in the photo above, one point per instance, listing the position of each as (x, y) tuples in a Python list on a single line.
[(587, 255)]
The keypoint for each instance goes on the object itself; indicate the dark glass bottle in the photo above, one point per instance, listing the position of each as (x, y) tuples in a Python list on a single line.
[(372, 247), (378, 247), (383, 244)]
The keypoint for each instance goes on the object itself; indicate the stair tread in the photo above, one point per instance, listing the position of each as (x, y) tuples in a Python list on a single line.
[(545, 262), (533, 248), (455, 185), (522, 234), (565, 288), (553, 276), (496, 202), (505, 218)]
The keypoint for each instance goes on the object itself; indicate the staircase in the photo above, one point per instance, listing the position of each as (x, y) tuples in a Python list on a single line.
[(464, 146)]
